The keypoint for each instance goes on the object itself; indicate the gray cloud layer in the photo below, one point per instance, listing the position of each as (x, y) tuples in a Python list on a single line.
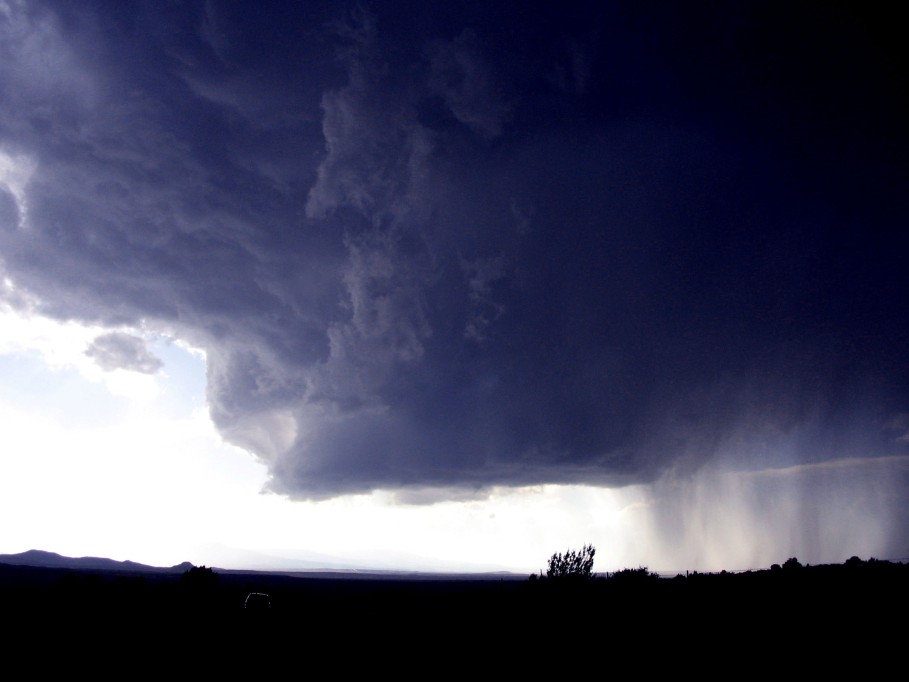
[(117, 350), (590, 245)]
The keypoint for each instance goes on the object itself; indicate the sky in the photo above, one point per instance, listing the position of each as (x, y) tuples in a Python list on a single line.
[(454, 286)]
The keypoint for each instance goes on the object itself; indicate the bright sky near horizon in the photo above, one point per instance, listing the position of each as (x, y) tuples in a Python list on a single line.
[(136, 470), (128, 465), (445, 286)]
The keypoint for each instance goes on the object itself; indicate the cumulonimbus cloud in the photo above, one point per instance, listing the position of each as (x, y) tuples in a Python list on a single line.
[(431, 264)]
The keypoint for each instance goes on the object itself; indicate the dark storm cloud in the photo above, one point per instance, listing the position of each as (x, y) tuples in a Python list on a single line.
[(448, 247), (9, 208), (117, 350)]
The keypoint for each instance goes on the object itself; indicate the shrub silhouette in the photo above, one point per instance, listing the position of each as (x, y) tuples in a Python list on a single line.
[(634, 575), (572, 565), (199, 577), (853, 562), (792, 564)]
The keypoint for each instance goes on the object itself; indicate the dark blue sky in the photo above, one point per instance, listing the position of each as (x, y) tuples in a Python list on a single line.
[(455, 245)]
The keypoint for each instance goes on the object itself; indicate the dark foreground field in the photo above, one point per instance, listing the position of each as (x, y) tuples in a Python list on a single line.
[(797, 619)]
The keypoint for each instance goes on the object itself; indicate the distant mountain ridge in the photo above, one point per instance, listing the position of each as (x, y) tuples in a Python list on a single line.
[(37, 558)]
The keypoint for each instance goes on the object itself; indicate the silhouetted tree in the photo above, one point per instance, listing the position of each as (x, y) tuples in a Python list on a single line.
[(853, 562), (791, 564), (198, 589), (572, 565), (199, 577)]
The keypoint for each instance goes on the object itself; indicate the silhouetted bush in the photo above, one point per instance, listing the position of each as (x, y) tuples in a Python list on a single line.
[(791, 564), (199, 577), (634, 575), (853, 562), (572, 565)]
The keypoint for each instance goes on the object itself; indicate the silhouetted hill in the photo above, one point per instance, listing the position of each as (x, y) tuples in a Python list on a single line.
[(38, 558)]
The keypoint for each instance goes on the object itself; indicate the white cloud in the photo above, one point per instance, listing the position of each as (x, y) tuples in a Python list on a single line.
[(62, 346), (15, 173)]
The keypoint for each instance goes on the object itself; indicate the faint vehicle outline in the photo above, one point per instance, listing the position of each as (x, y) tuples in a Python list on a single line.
[(257, 601)]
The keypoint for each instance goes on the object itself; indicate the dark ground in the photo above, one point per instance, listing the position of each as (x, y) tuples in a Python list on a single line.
[(792, 619)]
